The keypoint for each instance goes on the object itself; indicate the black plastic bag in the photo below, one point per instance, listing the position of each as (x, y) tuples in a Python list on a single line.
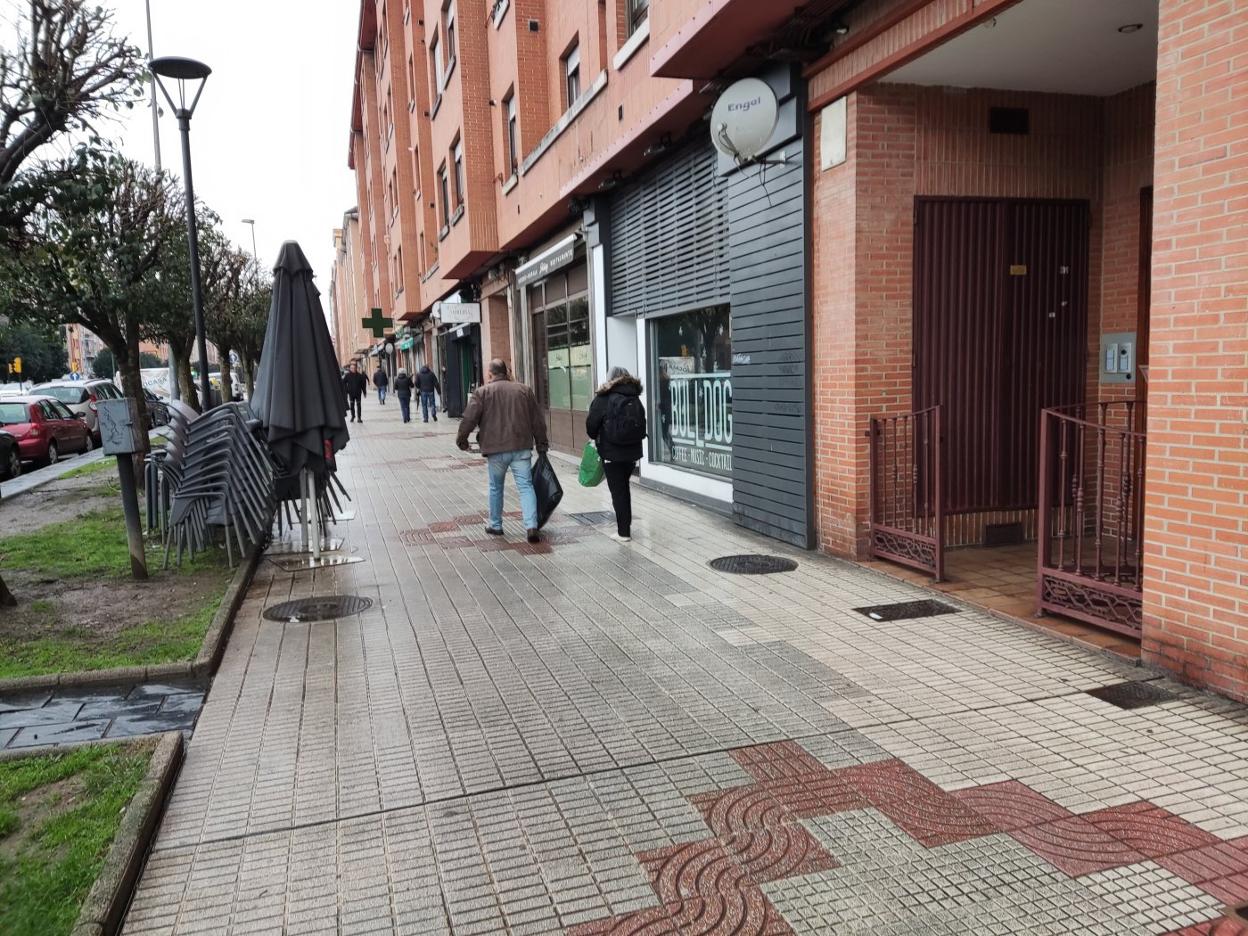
[(549, 490)]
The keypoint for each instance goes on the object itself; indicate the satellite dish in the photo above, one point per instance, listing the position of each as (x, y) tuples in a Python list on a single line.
[(744, 119)]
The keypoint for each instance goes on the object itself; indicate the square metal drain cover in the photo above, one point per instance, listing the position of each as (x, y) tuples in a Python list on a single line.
[(904, 610), (593, 517), (1132, 695)]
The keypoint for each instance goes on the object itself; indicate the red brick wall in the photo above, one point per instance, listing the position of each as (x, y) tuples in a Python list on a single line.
[(1196, 553)]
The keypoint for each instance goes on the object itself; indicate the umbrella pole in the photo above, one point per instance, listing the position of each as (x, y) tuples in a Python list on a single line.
[(313, 499), (303, 507)]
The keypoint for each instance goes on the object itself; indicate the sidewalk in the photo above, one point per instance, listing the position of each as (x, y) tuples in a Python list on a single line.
[(590, 737)]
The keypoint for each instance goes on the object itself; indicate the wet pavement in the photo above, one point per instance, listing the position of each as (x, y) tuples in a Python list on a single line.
[(65, 716)]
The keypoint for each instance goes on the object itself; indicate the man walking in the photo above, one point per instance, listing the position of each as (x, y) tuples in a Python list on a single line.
[(511, 426), (427, 384), (403, 390), (382, 382), (355, 384)]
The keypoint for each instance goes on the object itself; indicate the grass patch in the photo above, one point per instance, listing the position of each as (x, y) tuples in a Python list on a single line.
[(98, 467), (58, 815), (89, 546), (71, 650)]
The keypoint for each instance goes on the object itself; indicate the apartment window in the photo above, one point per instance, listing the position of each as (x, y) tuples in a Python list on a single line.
[(448, 27), (435, 66), (398, 272), (572, 76), (510, 133), (638, 10), (457, 156), (384, 30), (411, 82), (444, 198), (389, 113)]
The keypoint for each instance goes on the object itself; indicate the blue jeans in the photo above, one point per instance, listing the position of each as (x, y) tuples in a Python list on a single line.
[(521, 465), (428, 405), (405, 406), (381, 394)]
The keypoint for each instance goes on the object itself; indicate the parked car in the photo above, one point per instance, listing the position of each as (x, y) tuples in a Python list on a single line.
[(10, 456), (157, 410), (81, 396), (45, 429)]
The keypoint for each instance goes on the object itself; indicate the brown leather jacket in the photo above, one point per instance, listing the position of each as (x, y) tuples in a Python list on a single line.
[(508, 417)]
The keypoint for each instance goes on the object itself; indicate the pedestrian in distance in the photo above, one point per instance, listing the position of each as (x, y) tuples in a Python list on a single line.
[(427, 384), (382, 382), (616, 422), (355, 384), (510, 425), (403, 390)]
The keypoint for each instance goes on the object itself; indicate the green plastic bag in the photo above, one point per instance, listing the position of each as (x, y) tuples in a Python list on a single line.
[(591, 473)]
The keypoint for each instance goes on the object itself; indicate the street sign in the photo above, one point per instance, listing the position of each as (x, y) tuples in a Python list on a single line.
[(377, 323), (455, 313), (120, 432)]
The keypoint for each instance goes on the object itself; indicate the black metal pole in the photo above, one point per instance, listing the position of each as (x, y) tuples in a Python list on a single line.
[(192, 234)]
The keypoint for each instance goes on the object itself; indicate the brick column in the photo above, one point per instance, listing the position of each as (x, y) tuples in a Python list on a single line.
[(1196, 557)]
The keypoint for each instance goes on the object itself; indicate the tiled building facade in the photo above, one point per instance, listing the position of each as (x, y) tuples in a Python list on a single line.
[(1063, 183)]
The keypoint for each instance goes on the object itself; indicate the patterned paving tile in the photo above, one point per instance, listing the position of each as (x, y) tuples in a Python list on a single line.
[(1076, 846)]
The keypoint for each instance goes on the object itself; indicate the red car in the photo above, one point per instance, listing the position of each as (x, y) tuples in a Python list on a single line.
[(45, 429)]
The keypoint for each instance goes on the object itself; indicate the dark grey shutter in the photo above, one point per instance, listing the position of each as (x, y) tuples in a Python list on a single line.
[(669, 230)]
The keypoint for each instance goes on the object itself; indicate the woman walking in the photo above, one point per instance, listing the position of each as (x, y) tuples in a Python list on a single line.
[(617, 424)]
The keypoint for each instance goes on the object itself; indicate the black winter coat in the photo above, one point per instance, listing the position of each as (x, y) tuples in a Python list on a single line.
[(403, 386), (354, 384), (609, 451), (427, 381), (380, 379)]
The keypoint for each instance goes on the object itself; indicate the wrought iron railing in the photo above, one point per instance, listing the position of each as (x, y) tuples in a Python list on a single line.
[(907, 513), (1091, 514)]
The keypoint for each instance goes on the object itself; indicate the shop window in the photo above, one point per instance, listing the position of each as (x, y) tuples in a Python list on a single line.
[(638, 11), (690, 364), (571, 76), (563, 352), (457, 157), (511, 133)]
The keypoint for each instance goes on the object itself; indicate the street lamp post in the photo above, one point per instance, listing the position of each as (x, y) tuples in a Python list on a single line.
[(183, 70), (252, 222)]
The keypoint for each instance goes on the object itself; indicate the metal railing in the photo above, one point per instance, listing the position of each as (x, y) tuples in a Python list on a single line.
[(907, 501)]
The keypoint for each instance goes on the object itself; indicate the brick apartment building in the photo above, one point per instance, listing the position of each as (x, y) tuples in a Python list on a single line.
[(984, 293)]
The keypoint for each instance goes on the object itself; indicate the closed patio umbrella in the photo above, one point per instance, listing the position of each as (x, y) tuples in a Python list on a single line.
[(298, 393)]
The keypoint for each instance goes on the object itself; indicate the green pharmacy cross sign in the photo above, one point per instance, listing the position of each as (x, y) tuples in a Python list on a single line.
[(378, 323)]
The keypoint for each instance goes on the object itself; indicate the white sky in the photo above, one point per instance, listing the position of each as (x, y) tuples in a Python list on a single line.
[(269, 138)]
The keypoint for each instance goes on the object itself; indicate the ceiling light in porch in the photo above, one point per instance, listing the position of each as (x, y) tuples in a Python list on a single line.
[(1131, 27)]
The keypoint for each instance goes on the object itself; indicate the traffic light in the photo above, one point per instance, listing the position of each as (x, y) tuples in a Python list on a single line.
[(17, 365)]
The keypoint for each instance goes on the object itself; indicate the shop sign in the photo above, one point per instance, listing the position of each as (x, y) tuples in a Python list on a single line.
[(456, 313), (701, 421), (543, 265)]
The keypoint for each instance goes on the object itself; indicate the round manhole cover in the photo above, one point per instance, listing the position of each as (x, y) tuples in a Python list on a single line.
[(753, 565), (327, 608)]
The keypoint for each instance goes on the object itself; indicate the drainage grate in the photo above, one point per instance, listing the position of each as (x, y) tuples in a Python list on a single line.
[(327, 608), (593, 517), (904, 610), (1132, 695), (752, 565)]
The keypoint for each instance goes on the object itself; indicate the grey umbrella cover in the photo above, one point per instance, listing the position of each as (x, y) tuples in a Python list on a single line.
[(298, 393)]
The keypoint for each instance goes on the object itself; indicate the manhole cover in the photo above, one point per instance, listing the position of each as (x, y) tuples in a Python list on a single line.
[(752, 565), (304, 610), (904, 610), (1132, 695), (593, 517)]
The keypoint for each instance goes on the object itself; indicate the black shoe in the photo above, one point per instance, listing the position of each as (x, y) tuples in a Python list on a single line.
[(493, 532), (435, 418), (532, 536)]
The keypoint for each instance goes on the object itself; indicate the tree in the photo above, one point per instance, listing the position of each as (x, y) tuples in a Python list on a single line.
[(67, 70), (105, 365), (93, 250), (149, 360), (39, 345), (255, 300), (222, 269)]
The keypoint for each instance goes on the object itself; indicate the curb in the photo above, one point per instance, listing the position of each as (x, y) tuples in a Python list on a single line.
[(204, 664), (106, 902)]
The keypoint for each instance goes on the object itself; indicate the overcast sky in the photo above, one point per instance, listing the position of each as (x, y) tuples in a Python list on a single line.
[(269, 138)]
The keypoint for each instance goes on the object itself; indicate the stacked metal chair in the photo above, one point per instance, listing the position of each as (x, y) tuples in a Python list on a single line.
[(220, 475)]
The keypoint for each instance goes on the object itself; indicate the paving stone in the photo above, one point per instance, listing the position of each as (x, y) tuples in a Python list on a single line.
[(62, 733)]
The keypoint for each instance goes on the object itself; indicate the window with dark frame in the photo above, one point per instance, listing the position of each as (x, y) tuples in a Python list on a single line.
[(444, 198), (638, 11), (457, 157), (510, 132), (448, 27), (572, 76)]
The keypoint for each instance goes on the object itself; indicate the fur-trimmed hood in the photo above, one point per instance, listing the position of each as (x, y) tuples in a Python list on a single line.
[(628, 384)]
